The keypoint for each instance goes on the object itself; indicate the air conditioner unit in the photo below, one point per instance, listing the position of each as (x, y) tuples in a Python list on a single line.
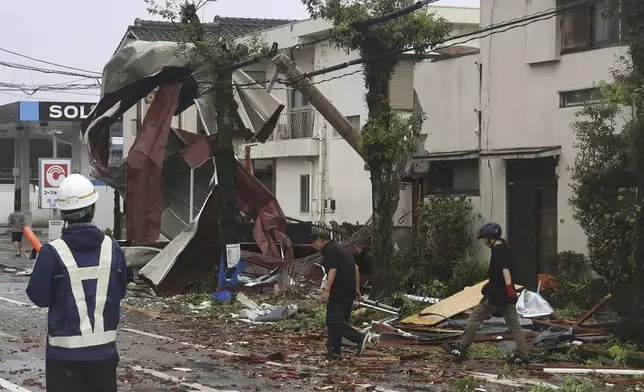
[(329, 205)]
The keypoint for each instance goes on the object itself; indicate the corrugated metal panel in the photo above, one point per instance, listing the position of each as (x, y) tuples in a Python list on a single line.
[(402, 86)]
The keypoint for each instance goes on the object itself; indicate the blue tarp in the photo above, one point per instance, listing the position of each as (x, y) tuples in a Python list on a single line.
[(233, 281)]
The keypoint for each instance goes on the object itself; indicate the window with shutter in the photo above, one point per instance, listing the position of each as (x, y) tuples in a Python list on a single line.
[(401, 86)]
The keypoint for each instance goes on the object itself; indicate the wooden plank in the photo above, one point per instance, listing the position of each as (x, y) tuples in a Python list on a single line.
[(451, 306), (592, 311)]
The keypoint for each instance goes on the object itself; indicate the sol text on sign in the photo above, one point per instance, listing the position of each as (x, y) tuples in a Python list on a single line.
[(52, 111)]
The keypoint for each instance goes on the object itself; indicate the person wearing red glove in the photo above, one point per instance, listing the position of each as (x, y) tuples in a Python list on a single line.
[(499, 297)]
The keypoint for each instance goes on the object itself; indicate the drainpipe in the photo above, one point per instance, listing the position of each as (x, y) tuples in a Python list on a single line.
[(310, 162), (479, 111), (321, 170)]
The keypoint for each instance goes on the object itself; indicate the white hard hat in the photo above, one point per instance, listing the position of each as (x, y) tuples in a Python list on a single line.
[(76, 192)]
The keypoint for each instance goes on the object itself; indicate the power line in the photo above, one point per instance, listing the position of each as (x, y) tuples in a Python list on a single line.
[(48, 62), (7, 90), (44, 70), (392, 15), (31, 90), (475, 33)]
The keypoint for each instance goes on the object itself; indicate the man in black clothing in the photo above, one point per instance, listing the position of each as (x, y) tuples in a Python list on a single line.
[(499, 297), (342, 288)]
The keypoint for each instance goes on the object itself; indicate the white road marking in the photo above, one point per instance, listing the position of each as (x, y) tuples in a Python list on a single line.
[(13, 301), (152, 335), (11, 387), (167, 339), (6, 335), (167, 377)]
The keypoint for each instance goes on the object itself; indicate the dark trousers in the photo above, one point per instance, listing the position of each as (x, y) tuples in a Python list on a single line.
[(338, 313), (89, 376)]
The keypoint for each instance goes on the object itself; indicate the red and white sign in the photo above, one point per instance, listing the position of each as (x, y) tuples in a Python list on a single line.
[(51, 172)]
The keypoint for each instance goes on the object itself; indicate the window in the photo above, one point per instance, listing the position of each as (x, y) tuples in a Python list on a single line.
[(579, 97), (263, 170), (299, 99), (354, 120), (305, 197), (587, 27), (458, 177), (401, 86)]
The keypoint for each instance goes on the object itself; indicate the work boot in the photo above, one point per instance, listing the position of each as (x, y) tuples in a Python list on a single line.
[(363, 344), (333, 356), (455, 350)]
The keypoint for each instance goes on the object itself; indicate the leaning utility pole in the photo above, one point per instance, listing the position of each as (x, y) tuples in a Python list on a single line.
[(337, 120)]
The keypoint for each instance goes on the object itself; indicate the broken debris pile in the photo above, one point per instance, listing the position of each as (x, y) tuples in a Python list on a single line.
[(264, 313), (445, 320)]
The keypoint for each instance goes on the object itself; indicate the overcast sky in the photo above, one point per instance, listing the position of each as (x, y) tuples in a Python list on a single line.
[(85, 33)]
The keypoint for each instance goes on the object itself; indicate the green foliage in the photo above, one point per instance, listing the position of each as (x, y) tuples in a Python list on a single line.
[(417, 29), (466, 272), (442, 261), (572, 277), (567, 356), (570, 385), (468, 384), (620, 352), (604, 197), (388, 139), (444, 236), (570, 311)]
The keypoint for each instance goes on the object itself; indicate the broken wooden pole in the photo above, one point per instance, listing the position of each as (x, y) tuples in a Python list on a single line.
[(337, 120), (592, 311)]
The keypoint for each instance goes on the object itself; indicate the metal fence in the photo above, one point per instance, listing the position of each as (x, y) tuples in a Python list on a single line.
[(340, 232), (295, 124)]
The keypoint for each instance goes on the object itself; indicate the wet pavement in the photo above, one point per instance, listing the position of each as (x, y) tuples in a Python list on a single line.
[(149, 356)]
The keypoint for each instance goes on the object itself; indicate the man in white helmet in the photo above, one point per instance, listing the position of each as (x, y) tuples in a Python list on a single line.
[(82, 279)]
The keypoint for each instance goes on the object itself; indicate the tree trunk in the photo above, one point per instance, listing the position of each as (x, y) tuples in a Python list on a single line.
[(226, 162), (385, 177), (385, 194)]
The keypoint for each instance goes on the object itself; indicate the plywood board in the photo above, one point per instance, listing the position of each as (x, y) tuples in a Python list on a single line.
[(451, 306)]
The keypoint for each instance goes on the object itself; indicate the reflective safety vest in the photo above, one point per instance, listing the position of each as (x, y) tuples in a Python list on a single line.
[(89, 336)]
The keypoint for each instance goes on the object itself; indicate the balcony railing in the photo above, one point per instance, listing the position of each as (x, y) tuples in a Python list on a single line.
[(295, 124)]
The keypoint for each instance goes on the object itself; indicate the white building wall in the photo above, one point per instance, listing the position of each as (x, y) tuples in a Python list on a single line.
[(448, 92), (289, 171), (348, 183), (523, 74)]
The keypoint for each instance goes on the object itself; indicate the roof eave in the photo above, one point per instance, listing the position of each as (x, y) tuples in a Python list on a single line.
[(128, 34)]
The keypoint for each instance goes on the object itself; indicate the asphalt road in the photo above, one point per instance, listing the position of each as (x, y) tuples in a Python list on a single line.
[(149, 349)]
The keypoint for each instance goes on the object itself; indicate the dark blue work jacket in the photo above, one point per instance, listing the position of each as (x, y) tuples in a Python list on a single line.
[(82, 279)]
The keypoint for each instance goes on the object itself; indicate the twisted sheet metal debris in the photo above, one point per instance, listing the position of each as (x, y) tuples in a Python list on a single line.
[(161, 158)]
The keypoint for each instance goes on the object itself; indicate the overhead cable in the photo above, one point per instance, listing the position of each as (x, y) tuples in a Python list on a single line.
[(47, 62), (44, 70)]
